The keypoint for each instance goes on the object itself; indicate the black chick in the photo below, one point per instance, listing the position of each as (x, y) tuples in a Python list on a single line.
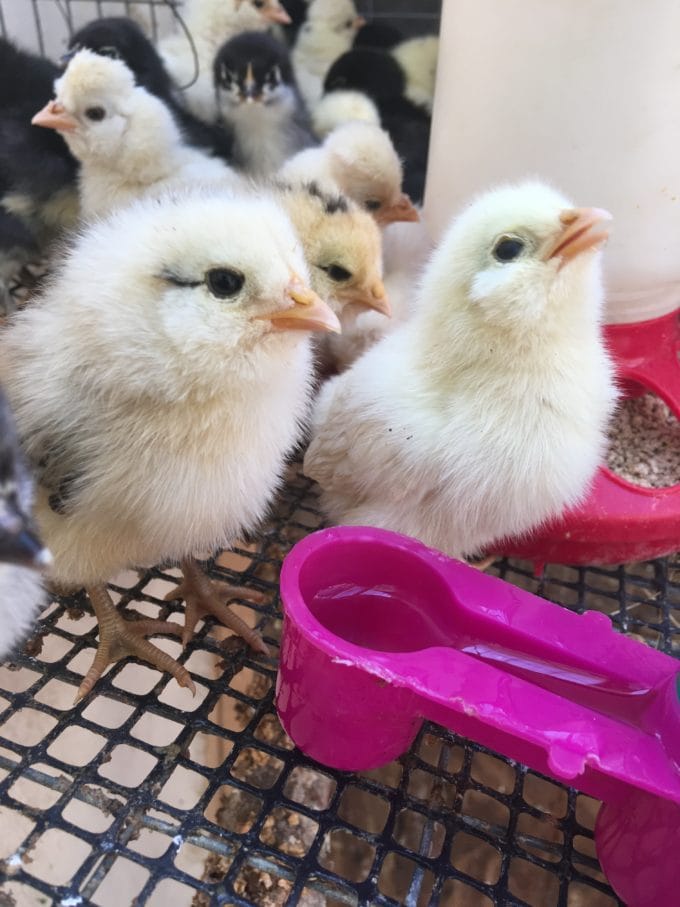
[(22, 554), (119, 37), (379, 76), (38, 194), (258, 98)]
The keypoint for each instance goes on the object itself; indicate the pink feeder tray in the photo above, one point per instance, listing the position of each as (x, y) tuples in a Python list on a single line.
[(620, 522), (381, 633)]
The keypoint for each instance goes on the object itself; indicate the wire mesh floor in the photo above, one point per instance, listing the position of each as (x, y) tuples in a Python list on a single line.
[(143, 795)]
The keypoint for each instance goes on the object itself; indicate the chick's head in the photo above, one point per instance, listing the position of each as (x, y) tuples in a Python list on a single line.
[(343, 248), (365, 165), (260, 13), (93, 101), (520, 256), (252, 67), (194, 286)]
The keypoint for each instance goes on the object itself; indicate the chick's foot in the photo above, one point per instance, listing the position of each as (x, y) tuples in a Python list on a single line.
[(119, 638), (204, 596)]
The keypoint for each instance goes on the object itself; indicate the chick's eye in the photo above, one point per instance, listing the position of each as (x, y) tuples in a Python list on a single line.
[(224, 282), (338, 273), (95, 113), (109, 51), (258, 4), (508, 248), (372, 204)]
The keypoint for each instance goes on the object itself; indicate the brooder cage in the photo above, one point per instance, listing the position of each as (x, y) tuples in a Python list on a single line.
[(144, 795)]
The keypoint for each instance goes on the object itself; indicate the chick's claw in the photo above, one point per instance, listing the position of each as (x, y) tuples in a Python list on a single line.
[(119, 638), (204, 596)]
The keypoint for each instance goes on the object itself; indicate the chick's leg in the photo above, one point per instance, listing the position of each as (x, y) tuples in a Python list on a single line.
[(119, 638), (203, 596)]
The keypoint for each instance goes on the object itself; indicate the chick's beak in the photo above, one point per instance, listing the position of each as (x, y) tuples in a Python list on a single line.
[(274, 12), (54, 116), (358, 22), (404, 210), (584, 230), (373, 298), (303, 311)]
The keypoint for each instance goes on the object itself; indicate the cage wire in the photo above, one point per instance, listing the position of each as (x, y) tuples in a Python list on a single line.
[(144, 795)]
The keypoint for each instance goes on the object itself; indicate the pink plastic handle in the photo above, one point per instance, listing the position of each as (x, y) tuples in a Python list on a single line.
[(381, 632)]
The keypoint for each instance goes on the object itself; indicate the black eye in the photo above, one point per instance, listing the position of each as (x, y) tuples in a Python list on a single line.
[(349, 23), (95, 113), (338, 273), (258, 4), (109, 51), (508, 248), (223, 282), (372, 204)]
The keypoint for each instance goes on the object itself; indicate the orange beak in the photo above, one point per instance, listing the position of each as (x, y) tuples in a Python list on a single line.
[(305, 311), (403, 209), (358, 23), (584, 231), (54, 116), (274, 12), (375, 298)]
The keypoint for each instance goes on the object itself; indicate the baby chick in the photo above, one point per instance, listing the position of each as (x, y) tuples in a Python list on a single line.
[(485, 414), (158, 386), (377, 74), (126, 139), (258, 100), (328, 32), (21, 553), (123, 39), (359, 160), (342, 245), (210, 23)]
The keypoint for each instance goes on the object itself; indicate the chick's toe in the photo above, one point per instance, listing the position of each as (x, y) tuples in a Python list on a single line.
[(204, 596), (119, 638)]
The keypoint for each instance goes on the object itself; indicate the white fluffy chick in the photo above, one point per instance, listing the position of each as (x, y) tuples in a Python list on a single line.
[(418, 59), (125, 138), (338, 107), (357, 159), (22, 555), (485, 414), (328, 31), (342, 245), (159, 384), (211, 23)]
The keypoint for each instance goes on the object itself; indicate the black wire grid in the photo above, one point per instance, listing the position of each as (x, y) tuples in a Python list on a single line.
[(205, 801), (142, 795)]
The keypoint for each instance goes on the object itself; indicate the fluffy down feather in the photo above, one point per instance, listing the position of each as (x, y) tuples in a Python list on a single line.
[(485, 414), (125, 138), (159, 413)]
